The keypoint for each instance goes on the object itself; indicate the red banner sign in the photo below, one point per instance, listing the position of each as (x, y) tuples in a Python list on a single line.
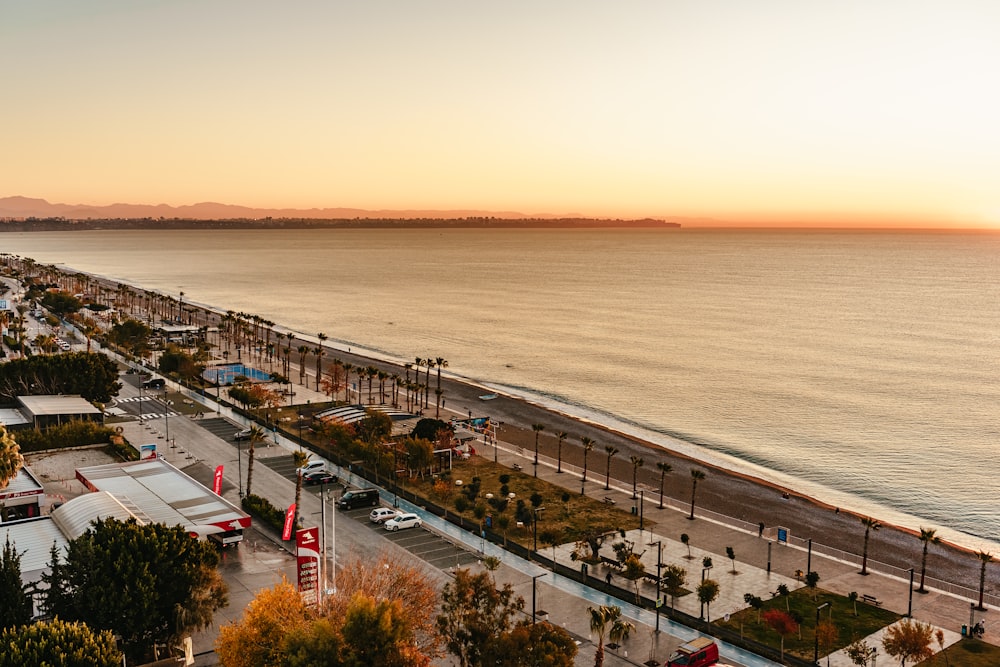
[(286, 534), (307, 558), (217, 482)]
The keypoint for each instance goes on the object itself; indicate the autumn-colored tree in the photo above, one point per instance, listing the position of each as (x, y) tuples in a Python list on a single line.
[(634, 570), (672, 581), (782, 623), (258, 638), (826, 635), (859, 652), (908, 640), (11, 460)]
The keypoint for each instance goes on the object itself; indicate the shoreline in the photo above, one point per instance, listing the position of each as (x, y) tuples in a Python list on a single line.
[(735, 493)]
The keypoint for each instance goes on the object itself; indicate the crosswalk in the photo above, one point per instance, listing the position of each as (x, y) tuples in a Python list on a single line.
[(157, 415), (136, 399)]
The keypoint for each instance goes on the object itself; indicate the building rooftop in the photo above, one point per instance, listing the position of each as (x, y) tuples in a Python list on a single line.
[(57, 405)]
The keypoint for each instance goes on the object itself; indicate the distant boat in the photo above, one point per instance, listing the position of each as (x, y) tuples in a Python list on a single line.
[(487, 397)]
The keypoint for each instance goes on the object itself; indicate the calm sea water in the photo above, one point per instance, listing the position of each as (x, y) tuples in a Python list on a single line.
[(859, 367)]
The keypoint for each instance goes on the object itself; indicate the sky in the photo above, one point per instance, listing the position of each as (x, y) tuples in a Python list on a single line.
[(766, 112)]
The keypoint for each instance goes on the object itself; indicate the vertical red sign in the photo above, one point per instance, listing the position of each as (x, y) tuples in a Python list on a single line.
[(307, 558), (217, 481), (286, 534)]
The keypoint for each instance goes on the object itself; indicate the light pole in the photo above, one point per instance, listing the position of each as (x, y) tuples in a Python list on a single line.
[(659, 559), (642, 499), (704, 570), (166, 414), (239, 465), (816, 632), (533, 580), (909, 605)]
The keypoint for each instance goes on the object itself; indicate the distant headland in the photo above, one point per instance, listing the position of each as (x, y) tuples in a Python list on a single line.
[(23, 214)]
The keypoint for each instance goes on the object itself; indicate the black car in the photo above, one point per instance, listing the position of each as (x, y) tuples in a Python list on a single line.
[(319, 477)]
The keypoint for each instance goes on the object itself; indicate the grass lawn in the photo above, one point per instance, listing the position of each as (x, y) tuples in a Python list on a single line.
[(802, 605), (566, 513), (966, 653)]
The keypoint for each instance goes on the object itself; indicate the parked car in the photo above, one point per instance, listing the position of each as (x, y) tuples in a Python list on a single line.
[(381, 514), (319, 477), (403, 521), (154, 383), (359, 498), (242, 435), (312, 466)]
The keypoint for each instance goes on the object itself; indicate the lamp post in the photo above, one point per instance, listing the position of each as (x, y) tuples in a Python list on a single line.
[(659, 559), (816, 632), (533, 596), (704, 571), (140, 399), (809, 558), (909, 604), (642, 499), (239, 465), (166, 414)]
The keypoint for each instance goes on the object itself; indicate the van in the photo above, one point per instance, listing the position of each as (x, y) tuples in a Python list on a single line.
[(155, 383), (358, 498)]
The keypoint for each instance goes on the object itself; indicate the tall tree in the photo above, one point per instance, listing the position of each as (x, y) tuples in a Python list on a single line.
[(637, 462), (607, 620), (537, 428), (258, 638), (870, 525), (610, 451), (11, 460), (985, 558), (320, 352), (928, 536), (16, 607), (708, 591), (473, 613), (257, 436), (560, 438), (782, 623), (696, 476), (529, 644), (664, 469), (58, 643), (441, 362), (588, 445), (150, 584)]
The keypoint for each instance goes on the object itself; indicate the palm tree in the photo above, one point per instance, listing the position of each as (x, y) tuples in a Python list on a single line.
[(429, 364), (637, 462), (299, 458), (696, 475), (588, 444), (560, 436), (611, 451), (303, 350), (441, 362), (928, 536), (607, 619), (664, 468), (870, 525), (537, 428), (985, 558), (256, 435)]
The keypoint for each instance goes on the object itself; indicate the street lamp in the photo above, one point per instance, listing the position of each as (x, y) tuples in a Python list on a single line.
[(533, 580), (659, 559), (239, 465), (909, 605), (704, 570), (816, 632)]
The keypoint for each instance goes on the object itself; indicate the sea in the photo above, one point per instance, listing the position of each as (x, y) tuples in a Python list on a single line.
[(858, 367)]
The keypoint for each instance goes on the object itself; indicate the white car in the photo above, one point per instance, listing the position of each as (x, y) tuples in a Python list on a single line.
[(403, 521), (315, 464), (381, 514)]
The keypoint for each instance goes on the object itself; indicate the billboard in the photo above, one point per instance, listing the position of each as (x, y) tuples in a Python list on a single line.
[(307, 561)]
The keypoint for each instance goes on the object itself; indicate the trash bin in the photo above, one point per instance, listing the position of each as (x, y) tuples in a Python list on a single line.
[(634, 510), (965, 630)]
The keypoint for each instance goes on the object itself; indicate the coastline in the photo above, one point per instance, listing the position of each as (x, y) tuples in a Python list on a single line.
[(734, 493)]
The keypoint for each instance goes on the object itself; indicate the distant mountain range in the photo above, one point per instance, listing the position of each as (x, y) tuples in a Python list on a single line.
[(21, 209)]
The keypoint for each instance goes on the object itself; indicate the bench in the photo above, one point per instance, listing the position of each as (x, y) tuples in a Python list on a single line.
[(516, 466), (871, 599), (611, 562), (608, 500), (652, 578)]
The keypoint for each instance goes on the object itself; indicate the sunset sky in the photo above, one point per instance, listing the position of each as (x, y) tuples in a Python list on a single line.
[(760, 111)]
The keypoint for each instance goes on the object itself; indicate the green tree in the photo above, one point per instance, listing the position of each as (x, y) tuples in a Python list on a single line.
[(672, 581), (474, 613), (131, 336), (696, 476), (92, 376), (708, 591), (147, 583), (870, 525), (11, 460), (859, 652), (731, 555), (637, 462), (428, 428), (419, 454), (16, 607), (61, 303), (58, 643), (560, 439), (610, 451), (375, 427), (928, 536), (664, 469), (440, 362), (908, 640), (607, 620), (985, 558), (532, 645), (588, 445)]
